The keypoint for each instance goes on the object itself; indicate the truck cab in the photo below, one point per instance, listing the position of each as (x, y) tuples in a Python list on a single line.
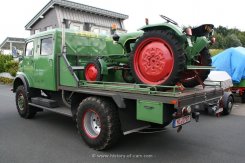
[(39, 61)]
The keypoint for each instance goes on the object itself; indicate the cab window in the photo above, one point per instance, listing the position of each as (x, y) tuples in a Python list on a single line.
[(29, 49), (46, 46)]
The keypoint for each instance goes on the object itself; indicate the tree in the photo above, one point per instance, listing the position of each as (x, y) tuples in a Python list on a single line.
[(232, 41)]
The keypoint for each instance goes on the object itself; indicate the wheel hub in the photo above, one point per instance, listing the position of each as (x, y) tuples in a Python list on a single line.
[(230, 105), (20, 102), (92, 124), (154, 61)]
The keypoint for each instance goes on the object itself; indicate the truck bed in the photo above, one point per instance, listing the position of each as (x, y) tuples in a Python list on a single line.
[(170, 95)]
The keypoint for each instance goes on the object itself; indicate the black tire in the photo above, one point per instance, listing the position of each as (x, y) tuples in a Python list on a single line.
[(106, 131), (228, 104), (174, 49), (24, 109), (189, 78), (97, 66)]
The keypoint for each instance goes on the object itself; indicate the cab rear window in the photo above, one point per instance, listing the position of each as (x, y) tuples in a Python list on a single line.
[(46, 46)]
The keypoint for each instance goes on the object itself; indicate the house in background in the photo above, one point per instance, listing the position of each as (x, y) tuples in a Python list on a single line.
[(13, 45), (81, 17)]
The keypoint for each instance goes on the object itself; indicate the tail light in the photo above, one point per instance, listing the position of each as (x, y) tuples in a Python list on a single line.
[(188, 31)]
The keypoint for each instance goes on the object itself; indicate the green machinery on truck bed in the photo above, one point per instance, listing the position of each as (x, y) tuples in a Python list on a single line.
[(117, 85)]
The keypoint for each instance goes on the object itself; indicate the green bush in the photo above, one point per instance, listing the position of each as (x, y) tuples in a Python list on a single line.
[(6, 80), (3, 60), (11, 67)]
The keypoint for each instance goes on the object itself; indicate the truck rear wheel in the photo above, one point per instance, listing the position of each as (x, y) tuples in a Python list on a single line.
[(21, 99), (157, 59), (98, 123)]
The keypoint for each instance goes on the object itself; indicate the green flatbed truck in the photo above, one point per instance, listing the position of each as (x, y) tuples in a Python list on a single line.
[(86, 77)]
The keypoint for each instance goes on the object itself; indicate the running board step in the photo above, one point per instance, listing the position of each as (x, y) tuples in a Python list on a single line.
[(44, 102), (60, 110)]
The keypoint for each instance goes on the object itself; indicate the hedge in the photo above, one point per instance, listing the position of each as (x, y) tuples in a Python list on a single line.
[(3, 60)]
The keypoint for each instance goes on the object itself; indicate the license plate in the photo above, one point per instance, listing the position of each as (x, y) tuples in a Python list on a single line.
[(181, 121)]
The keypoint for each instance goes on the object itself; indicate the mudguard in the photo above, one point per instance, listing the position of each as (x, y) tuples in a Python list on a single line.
[(19, 80), (165, 26)]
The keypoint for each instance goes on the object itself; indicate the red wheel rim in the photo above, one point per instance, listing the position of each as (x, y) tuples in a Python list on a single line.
[(153, 61), (91, 72)]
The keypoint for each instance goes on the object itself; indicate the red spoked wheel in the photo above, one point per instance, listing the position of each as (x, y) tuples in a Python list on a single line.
[(157, 59), (92, 71), (192, 78)]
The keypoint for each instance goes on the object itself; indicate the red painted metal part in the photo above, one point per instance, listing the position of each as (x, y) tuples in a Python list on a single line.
[(91, 72), (153, 61), (83, 125)]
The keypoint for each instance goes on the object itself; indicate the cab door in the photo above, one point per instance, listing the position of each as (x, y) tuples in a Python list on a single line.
[(28, 65), (45, 62)]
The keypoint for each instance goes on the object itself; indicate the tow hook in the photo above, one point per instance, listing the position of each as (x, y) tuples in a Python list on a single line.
[(195, 115)]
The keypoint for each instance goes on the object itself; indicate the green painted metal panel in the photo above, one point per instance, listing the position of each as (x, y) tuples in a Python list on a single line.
[(45, 63), (150, 111), (28, 69), (129, 36), (194, 50), (65, 76), (104, 69), (173, 27)]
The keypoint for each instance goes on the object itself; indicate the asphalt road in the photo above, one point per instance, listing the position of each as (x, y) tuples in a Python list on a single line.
[(51, 138)]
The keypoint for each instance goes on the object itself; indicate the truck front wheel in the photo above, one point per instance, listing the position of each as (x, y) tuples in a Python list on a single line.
[(98, 123), (21, 99)]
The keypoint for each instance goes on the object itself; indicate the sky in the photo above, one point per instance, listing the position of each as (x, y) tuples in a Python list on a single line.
[(15, 14)]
